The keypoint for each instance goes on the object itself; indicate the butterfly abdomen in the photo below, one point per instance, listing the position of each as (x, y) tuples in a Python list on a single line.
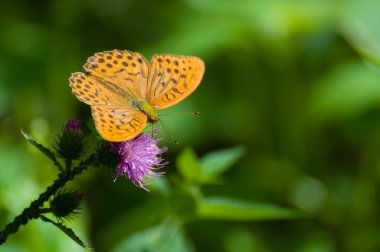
[(147, 109)]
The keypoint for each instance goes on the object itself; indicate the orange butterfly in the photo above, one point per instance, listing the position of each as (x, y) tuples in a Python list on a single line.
[(125, 91)]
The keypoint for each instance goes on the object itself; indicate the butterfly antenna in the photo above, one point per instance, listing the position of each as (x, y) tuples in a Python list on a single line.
[(167, 132), (152, 129), (182, 114)]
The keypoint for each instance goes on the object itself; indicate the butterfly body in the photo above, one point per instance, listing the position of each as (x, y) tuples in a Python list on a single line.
[(124, 90), (147, 109)]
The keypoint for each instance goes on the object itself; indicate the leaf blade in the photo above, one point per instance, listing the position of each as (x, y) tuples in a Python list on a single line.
[(68, 231), (188, 165), (217, 162), (238, 210), (47, 152)]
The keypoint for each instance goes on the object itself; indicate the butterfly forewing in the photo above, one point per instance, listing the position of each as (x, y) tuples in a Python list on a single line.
[(118, 124), (127, 71), (172, 78)]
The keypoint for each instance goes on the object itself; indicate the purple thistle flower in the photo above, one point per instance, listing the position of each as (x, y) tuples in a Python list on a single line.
[(139, 157), (73, 125)]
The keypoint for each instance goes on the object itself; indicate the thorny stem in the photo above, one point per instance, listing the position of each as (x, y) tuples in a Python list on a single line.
[(68, 166), (33, 211), (44, 210)]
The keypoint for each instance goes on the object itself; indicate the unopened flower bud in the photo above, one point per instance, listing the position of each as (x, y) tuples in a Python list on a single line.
[(69, 144), (65, 203)]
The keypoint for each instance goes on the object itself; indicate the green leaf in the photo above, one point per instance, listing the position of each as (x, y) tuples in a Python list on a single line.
[(44, 150), (234, 210), (359, 24), (346, 92), (68, 231), (214, 163), (188, 165), (168, 236)]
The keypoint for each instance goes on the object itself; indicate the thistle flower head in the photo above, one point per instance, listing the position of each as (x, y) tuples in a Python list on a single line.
[(139, 158)]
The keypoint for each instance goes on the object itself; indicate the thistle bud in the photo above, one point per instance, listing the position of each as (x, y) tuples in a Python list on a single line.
[(69, 143), (65, 203), (73, 125), (105, 157)]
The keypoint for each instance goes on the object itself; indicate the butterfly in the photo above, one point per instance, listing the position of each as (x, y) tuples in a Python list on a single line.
[(124, 90)]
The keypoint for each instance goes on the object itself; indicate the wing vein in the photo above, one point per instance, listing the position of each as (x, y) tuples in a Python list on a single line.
[(166, 84), (160, 82)]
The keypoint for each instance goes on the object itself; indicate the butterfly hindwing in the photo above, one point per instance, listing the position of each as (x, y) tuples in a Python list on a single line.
[(172, 78), (118, 124), (91, 91)]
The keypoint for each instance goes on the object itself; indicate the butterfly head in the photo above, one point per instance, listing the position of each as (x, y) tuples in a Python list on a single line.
[(153, 119)]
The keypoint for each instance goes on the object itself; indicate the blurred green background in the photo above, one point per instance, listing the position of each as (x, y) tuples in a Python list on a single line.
[(296, 83)]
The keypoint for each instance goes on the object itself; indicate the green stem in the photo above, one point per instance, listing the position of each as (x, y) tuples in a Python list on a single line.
[(44, 210), (33, 211), (68, 165)]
